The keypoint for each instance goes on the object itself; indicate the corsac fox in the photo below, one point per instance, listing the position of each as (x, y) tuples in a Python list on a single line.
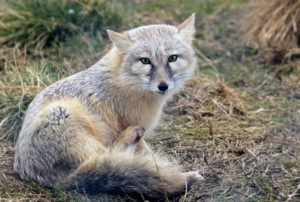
[(86, 131)]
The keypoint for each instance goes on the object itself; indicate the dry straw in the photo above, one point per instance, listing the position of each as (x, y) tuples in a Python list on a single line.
[(273, 27)]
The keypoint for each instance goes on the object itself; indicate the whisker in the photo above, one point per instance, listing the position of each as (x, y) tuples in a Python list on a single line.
[(143, 83), (184, 75)]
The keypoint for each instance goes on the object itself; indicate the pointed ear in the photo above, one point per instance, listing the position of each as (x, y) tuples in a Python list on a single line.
[(187, 29), (120, 40)]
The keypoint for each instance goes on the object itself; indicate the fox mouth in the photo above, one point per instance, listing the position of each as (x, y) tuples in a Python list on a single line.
[(161, 92)]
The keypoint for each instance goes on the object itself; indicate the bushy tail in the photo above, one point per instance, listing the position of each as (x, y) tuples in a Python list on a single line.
[(125, 171)]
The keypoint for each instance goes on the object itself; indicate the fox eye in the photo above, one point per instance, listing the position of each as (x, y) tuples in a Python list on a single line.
[(145, 61), (172, 58)]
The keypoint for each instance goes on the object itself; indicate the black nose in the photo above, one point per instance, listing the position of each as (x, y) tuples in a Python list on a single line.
[(163, 86)]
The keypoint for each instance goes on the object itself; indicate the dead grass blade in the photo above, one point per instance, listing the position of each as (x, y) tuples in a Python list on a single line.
[(273, 28)]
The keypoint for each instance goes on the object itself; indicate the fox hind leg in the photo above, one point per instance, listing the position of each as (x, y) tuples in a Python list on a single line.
[(60, 137), (130, 136)]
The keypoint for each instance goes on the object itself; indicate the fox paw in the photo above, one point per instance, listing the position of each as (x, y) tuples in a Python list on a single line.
[(132, 134), (139, 132)]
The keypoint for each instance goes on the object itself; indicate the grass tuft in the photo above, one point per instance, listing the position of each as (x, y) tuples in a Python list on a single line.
[(273, 28), (38, 24)]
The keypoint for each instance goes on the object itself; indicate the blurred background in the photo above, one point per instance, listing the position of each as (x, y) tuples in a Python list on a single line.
[(237, 121)]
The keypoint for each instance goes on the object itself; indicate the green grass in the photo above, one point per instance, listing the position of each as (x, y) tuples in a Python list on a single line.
[(38, 24), (182, 8), (18, 88)]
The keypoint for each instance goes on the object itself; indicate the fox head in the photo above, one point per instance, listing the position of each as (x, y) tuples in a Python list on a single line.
[(156, 59)]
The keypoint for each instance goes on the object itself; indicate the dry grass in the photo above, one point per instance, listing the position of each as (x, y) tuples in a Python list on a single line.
[(217, 130), (273, 27), (21, 81), (23, 77)]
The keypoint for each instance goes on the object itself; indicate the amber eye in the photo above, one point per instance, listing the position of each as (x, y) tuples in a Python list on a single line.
[(172, 58), (145, 61)]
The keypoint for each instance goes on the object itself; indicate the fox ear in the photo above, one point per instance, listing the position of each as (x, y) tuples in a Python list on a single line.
[(187, 29), (120, 40)]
